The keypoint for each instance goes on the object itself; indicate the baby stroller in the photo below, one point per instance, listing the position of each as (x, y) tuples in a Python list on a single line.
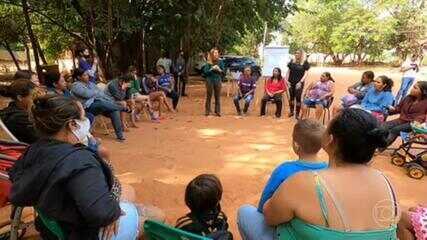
[(412, 153)]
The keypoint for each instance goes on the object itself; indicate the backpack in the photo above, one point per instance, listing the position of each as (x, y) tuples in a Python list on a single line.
[(212, 225)]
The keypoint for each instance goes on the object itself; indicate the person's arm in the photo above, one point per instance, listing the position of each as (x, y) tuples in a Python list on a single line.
[(83, 92), (267, 84), (23, 128), (282, 88), (207, 70), (92, 197), (280, 208), (309, 87), (397, 109), (352, 89), (306, 68), (163, 88), (331, 93), (279, 175), (388, 101), (114, 90), (253, 88), (144, 85), (405, 67), (383, 104)]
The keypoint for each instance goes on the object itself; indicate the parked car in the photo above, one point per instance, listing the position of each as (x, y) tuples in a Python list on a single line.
[(238, 63)]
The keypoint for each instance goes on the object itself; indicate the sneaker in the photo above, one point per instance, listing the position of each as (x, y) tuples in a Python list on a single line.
[(121, 139), (218, 114)]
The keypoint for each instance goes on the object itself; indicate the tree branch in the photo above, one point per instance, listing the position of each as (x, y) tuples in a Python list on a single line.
[(53, 21)]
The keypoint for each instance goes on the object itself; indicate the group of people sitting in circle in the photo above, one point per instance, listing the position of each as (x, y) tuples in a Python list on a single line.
[(67, 176), (68, 181), (126, 95)]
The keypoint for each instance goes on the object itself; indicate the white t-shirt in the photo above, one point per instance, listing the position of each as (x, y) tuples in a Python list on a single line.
[(165, 62), (411, 73)]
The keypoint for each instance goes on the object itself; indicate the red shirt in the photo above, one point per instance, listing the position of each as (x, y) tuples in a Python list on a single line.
[(273, 87)]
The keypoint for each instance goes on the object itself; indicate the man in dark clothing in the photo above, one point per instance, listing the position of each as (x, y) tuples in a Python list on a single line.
[(60, 176), (18, 122), (180, 77)]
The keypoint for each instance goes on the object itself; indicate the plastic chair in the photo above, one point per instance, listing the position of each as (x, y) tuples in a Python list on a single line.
[(158, 231), (326, 110)]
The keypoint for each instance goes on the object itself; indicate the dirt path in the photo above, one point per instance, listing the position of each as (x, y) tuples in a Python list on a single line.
[(160, 159)]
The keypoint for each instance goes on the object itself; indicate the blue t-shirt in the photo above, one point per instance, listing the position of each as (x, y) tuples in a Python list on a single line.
[(283, 172), (377, 101)]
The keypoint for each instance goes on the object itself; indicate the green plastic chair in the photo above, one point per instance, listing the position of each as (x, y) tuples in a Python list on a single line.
[(158, 231), (52, 225)]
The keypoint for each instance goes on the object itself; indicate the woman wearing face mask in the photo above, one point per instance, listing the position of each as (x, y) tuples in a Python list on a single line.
[(58, 172), (16, 115)]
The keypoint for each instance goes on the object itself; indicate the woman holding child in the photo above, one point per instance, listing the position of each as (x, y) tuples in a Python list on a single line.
[(326, 204)]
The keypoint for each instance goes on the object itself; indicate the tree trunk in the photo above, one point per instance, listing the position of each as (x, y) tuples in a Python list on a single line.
[(40, 51), (6, 45), (28, 54), (32, 37), (143, 52)]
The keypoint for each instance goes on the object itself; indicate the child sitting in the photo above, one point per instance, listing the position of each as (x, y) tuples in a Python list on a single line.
[(202, 196), (307, 140)]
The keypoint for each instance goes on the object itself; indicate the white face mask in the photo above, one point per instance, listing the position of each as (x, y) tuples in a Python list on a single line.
[(82, 132)]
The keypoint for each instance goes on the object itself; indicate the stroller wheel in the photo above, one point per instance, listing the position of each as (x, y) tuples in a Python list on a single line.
[(416, 171), (397, 160)]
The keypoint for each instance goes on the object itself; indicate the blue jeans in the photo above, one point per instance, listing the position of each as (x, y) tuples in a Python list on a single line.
[(404, 88), (248, 100), (110, 110), (252, 224), (313, 102)]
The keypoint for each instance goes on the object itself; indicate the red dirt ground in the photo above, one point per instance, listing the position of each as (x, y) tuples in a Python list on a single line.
[(158, 160)]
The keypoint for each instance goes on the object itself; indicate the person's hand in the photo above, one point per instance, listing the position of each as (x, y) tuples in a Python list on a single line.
[(391, 108), (111, 230), (298, 85), (95, 60)]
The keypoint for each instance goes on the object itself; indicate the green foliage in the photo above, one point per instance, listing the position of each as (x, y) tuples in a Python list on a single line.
[(13, 31), (115, 28), (363, 29)]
